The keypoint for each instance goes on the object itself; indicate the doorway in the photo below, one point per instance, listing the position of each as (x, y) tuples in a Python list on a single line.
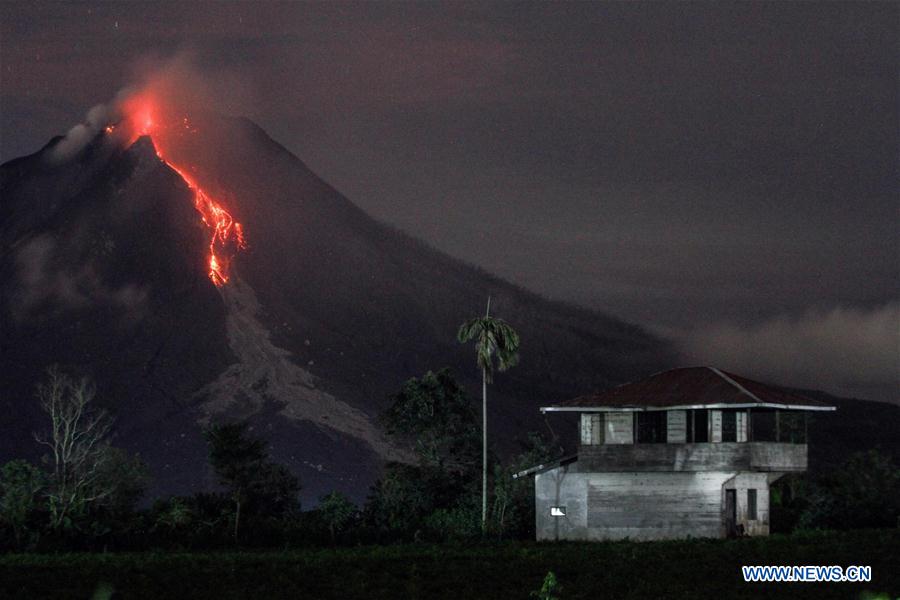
[(730, 513)]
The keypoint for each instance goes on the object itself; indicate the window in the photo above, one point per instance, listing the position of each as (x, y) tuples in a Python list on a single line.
[(619, 428), (698, 425), (791, 427), (751, 505), (762, 425), (768, 425), (729, 426), (734, 426), (651, 427)]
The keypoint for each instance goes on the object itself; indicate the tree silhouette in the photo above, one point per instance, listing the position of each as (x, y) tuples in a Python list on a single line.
[(494, 338)]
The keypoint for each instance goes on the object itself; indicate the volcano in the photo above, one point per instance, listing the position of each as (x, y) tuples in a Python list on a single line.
[(275, 300)]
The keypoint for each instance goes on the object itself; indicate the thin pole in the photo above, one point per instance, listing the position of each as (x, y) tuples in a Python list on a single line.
[(484, 450), (487, 314)]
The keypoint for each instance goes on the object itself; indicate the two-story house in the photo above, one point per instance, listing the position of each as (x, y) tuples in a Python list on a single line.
[(686, 452)]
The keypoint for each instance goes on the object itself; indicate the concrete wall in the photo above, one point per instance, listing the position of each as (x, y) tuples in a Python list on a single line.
[(643, 505)]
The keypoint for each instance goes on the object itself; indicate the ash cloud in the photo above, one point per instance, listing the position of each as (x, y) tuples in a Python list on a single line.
[(180, 83), (847, 351), (177, 85)]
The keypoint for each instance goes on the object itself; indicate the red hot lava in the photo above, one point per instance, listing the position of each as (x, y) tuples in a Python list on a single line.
[(226, 234)]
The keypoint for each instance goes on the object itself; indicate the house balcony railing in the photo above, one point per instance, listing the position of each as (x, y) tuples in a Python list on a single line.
[(743, 456)]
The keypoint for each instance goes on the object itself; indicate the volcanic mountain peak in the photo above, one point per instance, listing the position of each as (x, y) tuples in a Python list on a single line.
[(143, 149), (326, 313)]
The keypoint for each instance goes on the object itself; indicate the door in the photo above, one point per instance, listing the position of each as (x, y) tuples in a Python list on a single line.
[(730, 513)]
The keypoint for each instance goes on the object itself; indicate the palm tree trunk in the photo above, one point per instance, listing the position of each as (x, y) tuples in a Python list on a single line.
[(484, 450), (237, 519), (487, 313)]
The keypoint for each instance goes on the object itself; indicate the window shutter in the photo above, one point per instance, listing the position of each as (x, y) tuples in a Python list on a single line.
[(585, 428), (677, 426), (715, 426), (597, 428), (741, 424)]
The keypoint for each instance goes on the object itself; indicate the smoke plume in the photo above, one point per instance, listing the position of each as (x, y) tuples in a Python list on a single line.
[(79, 136), (847, 351), (175, 86)]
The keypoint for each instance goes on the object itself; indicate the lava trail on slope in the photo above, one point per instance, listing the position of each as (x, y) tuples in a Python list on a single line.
[(226, 234)]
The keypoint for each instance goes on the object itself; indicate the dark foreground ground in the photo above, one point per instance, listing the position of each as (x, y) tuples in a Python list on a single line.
[(684, 569)]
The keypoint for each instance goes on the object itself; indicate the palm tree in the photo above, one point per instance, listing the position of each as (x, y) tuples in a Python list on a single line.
[(493, 337)]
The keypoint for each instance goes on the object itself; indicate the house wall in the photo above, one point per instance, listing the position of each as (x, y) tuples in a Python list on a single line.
[(778, 456), (741, 483), (723, 456), (642, 505)]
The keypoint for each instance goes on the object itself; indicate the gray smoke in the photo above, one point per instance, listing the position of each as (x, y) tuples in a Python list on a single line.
[(80, 136), (177, 86), (846, 351), (43, 282)]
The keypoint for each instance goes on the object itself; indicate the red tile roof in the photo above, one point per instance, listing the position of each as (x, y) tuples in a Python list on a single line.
[(691, 387)]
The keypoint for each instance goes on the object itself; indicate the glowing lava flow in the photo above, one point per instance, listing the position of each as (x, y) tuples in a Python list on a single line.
[(227, 235), (226, 232)]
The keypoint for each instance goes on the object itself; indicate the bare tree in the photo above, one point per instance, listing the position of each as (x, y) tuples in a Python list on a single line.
[(79, 444)]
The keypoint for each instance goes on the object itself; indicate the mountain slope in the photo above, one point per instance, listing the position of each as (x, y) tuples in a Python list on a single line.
[(856, 426), (328, 311)]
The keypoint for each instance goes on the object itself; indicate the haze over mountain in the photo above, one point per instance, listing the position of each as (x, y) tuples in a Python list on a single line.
[(104, 270)]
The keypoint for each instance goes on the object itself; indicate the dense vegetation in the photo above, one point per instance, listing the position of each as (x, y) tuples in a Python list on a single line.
[(677, 569), (85, 494)]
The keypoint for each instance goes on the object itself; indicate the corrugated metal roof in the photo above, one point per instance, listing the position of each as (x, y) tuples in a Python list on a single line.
[(691, 387)]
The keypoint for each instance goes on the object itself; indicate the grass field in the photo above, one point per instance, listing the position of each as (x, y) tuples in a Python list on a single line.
[(681, 569)]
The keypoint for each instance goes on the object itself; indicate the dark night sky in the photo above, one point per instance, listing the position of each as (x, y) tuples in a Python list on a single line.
[(722, 173)]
